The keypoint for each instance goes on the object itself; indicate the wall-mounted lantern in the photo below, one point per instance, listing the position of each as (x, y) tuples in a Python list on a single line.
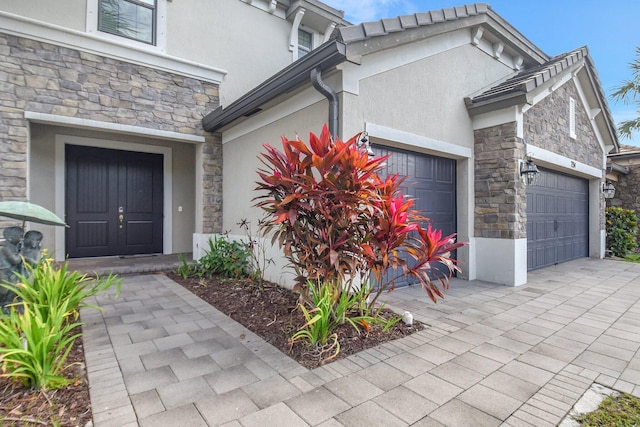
[(608, 190), (363, 143), (529, 172)]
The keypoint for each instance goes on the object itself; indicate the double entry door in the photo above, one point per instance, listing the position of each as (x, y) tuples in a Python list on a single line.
[(114, 202)]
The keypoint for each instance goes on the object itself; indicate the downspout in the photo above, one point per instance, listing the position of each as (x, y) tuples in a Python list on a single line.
[(323, 88)]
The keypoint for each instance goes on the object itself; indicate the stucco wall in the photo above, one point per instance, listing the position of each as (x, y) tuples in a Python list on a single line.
[(241, 165), (426, 97), (69, 13), (249, 43), (43, 78)]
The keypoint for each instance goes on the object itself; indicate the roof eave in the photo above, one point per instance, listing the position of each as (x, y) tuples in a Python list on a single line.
[(326, 57), (496, 103)]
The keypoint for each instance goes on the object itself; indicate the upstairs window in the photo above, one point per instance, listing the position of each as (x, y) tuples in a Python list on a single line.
[(133, 19), (305, 43)]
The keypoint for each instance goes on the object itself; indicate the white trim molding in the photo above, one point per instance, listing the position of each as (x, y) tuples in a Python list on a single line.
[(429, 145), (160, 27), (59, 183), (542, 157), (116, 49), (53, 119)]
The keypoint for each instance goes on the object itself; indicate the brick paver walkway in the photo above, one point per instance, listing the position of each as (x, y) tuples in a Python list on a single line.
[(492, 355)]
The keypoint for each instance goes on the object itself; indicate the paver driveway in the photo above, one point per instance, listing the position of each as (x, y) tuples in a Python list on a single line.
[(492, 355)]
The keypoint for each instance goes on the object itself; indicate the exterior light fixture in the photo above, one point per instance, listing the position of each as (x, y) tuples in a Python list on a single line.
[(609, 190), (363, 143), (529, 172)]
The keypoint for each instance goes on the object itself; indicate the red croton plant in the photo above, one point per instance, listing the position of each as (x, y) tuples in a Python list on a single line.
[(337, 219)]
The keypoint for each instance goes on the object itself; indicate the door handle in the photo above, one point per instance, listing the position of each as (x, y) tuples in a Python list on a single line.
[(121, 219)]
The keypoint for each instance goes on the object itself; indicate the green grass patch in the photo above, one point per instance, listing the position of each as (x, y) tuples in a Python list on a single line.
[(621, 410), (632, 258)]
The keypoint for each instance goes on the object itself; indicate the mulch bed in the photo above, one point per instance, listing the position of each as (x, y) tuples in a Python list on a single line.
[(271, 312), (266, 309), (68, 406)]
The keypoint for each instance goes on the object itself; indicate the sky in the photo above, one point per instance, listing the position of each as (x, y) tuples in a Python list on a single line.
[(609, 28)]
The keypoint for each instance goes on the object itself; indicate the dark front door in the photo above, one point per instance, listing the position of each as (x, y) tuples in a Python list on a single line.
[(557, 219), (431, 181), (113, 202)]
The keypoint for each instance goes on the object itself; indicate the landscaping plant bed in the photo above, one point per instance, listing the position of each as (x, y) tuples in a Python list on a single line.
[(270, 311), (67, 406)]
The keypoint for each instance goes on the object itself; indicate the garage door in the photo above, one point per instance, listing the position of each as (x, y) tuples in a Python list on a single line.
[(431, 181), (557, 219)]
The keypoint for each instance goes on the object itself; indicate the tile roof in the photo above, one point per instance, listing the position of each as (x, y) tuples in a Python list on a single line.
[(527, 80), (513, 89), (385, 26)]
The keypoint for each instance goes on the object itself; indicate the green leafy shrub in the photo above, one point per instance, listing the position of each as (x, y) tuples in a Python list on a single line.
[(185, 269), (622, 228), (338, 221), (46, 287), (226, 257), (331, 306), (37, 334), (36, 345)]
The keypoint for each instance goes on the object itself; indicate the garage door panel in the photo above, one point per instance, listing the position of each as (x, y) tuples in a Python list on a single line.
[(424, 168), (445, 171), (431, 181), (561, 203)]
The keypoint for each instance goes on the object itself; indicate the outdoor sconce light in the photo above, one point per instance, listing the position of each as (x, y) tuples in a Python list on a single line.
[(609, 190), (529, 171), (363, 143)]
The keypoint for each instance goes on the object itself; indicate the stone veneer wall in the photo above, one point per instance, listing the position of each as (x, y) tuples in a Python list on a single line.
[(546, 125), (46, 78), (500, 197), (627, 194)]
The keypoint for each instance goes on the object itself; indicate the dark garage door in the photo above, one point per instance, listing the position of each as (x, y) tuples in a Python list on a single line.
[(557, 219), (431, 182)]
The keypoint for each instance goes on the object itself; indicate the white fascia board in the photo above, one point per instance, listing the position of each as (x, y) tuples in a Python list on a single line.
[(389, 59), (48, 33), (278, 112), (75, 122), (441, 148), (542, 157), (589, 109), (500, 117), (542, 94)]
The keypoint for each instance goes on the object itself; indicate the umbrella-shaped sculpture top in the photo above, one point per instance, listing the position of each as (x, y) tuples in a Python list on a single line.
[(27, 211)]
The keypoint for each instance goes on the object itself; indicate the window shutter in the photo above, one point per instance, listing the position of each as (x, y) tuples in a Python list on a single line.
[(572, 118)]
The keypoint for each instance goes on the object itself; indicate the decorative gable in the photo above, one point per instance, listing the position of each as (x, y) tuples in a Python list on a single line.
[(548, 125)]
